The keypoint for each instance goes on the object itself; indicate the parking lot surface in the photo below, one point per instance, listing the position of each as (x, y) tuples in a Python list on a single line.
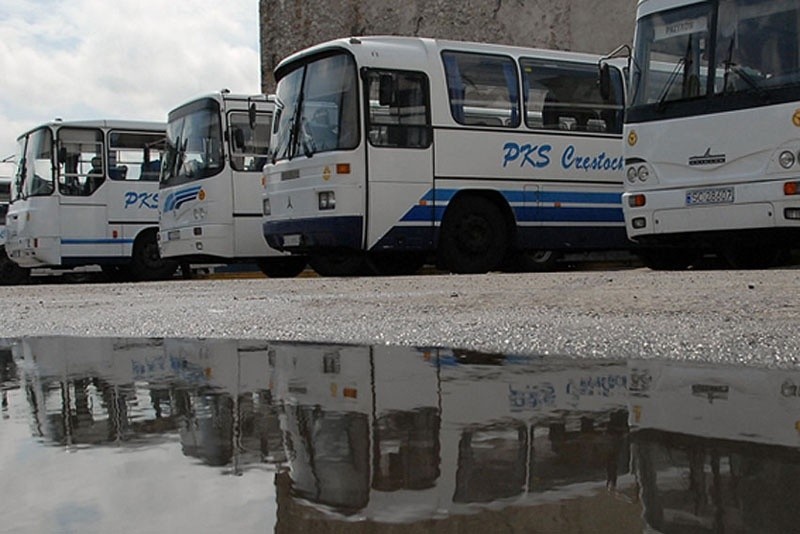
[(745, 317)]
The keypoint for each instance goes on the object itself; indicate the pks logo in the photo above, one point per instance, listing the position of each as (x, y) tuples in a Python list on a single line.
[(141, 200), (179, 198)]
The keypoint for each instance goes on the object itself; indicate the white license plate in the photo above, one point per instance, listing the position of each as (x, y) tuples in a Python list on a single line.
[(715, 195), (173, 235), (291, 240)]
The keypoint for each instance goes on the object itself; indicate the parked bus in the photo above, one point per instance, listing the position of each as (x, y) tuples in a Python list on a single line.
[(712, 135), (211, 185), (86, 193), (387, 151)]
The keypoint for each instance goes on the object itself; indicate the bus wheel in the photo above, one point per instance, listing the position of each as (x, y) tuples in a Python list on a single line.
[(342, 263), (146, 262), (11, 274), (396, 263), (283, 266), (474, 236), (752, 257), (668, 259)]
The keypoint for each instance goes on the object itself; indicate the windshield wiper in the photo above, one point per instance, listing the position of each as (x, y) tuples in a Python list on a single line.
[(686, 63), (662, 98), (309, 146), (731, 67)]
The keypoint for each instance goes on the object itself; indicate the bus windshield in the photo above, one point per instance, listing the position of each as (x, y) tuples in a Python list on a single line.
[(754, 50), (35, 172), (316, 108), (194, 144)]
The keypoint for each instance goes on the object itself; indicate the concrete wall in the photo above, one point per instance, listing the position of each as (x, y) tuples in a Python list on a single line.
[(581, 25)]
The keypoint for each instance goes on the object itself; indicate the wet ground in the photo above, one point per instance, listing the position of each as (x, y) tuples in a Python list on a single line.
[(141, 434)]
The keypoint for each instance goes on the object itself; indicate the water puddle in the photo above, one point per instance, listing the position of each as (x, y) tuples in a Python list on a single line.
[(147, 435)]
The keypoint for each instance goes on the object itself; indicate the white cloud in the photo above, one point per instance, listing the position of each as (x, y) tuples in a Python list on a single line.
[(128, 59)]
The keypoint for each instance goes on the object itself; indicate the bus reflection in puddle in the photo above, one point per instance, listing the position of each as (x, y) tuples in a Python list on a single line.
[(362, 436)]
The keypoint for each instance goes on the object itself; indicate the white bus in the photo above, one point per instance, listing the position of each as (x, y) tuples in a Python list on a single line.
[(211, 185), (86, 193), (388, 150), (712, 134)]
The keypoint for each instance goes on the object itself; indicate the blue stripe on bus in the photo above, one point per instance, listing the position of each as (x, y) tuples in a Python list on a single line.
[(578, 214), (534, 211), (96, 241), (579, 198)]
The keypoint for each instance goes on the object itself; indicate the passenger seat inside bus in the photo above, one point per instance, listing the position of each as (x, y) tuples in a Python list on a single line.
[(561, 116)]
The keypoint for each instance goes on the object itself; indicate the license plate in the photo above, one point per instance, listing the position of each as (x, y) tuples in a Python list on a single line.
[(173, 235), (716, 195), (292, 240)]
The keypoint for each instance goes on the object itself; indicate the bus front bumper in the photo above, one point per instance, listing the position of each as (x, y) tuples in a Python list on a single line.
[(301, 235)]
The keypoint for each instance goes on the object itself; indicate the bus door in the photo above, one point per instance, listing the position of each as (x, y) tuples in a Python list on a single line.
[(84, 230), (399, 160), (248, 144)]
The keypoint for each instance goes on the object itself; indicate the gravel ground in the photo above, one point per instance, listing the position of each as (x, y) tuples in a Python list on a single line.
[(746, 317)]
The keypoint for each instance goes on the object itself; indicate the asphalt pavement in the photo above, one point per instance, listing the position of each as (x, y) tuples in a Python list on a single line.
[(715, 316)]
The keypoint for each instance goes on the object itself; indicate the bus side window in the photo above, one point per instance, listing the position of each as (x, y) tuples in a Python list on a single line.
[(566, 96), (483, 89), (135, 156), (399, 110)]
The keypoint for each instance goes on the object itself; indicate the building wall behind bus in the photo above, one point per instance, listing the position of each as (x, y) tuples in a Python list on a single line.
[(596, 26)]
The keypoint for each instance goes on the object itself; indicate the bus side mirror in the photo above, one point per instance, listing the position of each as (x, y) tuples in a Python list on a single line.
[(605, 82), (62, 154), (251, 115), (386, 90)]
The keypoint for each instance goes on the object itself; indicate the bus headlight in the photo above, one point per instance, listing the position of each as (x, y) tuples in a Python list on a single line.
[(786, 159), (327, 200), (267, 209), (641, 173)]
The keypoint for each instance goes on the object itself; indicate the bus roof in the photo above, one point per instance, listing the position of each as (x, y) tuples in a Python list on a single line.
[(219, 96), (418, 48), (101, 123), (647, 7)]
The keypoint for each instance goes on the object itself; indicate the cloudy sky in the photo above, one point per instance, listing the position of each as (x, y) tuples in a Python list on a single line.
[(126, 59)]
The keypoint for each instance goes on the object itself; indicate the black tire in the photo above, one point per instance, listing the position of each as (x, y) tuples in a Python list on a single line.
[(474, 236), (396, 263), (283, 266), (341, 263), (147, 263), (669, 259), (11, 274), (752, 256)]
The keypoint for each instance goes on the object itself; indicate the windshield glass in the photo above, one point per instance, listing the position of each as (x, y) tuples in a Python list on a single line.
[(671, 52), (194, 144), (36, 166), (316, 108), (757, 45), (755, 50)]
